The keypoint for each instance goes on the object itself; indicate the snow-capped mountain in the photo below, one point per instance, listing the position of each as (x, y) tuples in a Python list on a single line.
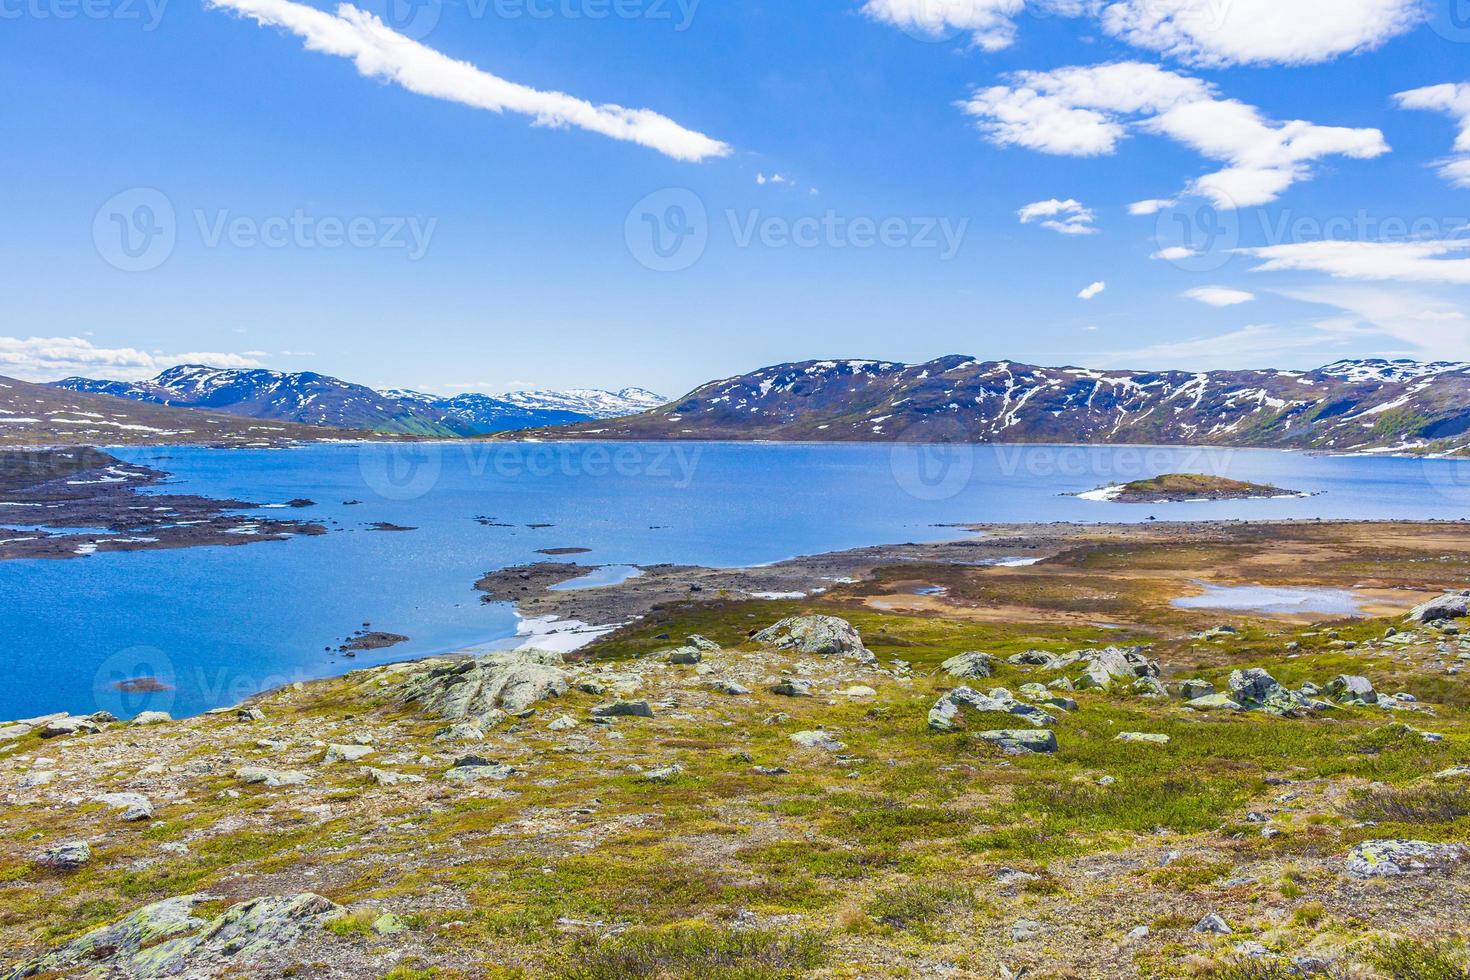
[(317, 399), (1350, 405)]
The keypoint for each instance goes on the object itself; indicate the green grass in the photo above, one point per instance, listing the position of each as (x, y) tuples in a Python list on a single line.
[(689, 950)]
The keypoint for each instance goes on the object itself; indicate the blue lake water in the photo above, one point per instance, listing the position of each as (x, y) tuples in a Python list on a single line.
[(220, 623)]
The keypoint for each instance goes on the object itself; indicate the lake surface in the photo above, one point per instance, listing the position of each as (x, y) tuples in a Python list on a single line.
[(218, 624)]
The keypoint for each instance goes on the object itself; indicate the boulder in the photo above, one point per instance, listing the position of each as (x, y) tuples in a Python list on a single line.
[(1451, 605), (384, 777), (1214, 925), (67, 856), (1020, 741), (1191, 689), (623, 709), (166, 939), (257, 775), (1103, 667), (345, 753), (1214, 702), (818, 740), (1147, 738), (152, 718), (1392, 858), (684, 656), (1256, 690), (793, 687), (131, 806), (1150, 687), (663, 774), (69, 725), (477, 770), (11, 732), (728, 687), (818, 636), (973, 665), (1351, 688), (945, 716), (487, 689)]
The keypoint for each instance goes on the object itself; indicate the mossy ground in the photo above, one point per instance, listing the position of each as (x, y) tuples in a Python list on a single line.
[(906, 853)]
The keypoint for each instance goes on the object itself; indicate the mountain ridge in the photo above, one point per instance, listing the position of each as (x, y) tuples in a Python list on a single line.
[(1358, 405)]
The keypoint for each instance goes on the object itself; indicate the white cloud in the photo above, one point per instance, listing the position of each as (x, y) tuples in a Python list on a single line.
[(1453, 101), (1151, 207), (1093, 290), (1219, 295), (1245, 32), (51, 358), (1259, 345), (1431, 327), (381, 53), (1175, 253), (990, 22), (763, 179), (1087, 111), (1423, 262), (1067, 217)]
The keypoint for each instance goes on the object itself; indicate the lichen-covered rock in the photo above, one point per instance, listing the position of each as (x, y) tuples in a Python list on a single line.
[(1351, 688), (1256, 690), (67, 856), (818, 636), (728, 687), (1451, 605), (945, 716), (1195, 688), (973, 665), (384, 777), (1147, 738), (487, 689), (623, 709), (166, 939), (1110, 664), (152, 718), (792, 687), (345, 753), (69, 725), (818, 740), (10, 732), (1214, 702), (1020, 741), (477, 771), (258, 775), (130, 806), (1392, 858)]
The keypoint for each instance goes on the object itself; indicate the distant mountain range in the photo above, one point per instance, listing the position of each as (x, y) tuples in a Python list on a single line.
[(317, 399), (1355, 405)]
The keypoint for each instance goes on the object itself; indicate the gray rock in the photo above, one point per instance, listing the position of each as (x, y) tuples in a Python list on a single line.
[(1150, 687), (384, 777), (1021, 741), (11, 732), (818, 740), (1392, 858), (67, 856), (69, 725), (563, 724), (701, 644), (684, 656), (793, 687), (663, 774), (946, 716), (1451, 605), (257, 775), (1256, 690), (973, 665), (132, 806), (166, 939), (1144, 737), (460, 732), (345, 753), (1214, 925), (728, 687), (1024, 929), (1350, 687), (820, 636), (478, 771), (486, 690), (1212, 702), (250, 714), (152, 718), (1110, 664), (623, 709), (1191, 689)]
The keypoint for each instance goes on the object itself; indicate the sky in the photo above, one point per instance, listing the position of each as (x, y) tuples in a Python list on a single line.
[(454, 195)]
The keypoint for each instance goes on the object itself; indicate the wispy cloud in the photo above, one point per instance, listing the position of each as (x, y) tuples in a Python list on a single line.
[(381, 53), (1092, 290), (1219, 295), (1453, 101), (1067, 217), (52, 358), (1423, 262)]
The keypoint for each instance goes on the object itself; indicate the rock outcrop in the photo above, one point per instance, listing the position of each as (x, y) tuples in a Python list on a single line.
[(488, 689), (817, 636)]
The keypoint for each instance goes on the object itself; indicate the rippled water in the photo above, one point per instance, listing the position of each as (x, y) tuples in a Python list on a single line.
[(220, 623)]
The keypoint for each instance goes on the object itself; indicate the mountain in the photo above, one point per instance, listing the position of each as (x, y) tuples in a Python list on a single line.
[(1357, 405), (318, 399), (42, 415)]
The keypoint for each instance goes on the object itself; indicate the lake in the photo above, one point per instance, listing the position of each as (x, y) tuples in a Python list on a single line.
[(217, 624)]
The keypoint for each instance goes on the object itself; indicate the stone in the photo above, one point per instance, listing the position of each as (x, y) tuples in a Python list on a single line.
[(131, 806), (1451, 605), (1211, 702), (389, 924), (684, 656), (1351, 688), (67, 856), (858, 691), (701, 644), (165, 939), (1110, 664), (11, 732), (345, 753), (250, 714), (478, 771), (1191, 689), (1392, 858), (973, 665), (1138, 933), (256, 775), (1020, 741), (792, 687), (1024, 929), (1458, 772), (383, 777), (1144, 737), (820, 636), (1214, 925), (1150, 687), (663, 774), (152, 718), (946, 715), (728, 687), (623, 709), (460, 732), (818, 740), (485, 690), (1256, 690), (69, 725), (563, 724)]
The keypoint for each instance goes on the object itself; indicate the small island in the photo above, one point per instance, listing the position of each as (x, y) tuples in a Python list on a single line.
[(1182, 487)]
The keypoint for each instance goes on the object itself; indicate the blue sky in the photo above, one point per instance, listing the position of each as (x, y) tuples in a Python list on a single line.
[(826, 179)]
